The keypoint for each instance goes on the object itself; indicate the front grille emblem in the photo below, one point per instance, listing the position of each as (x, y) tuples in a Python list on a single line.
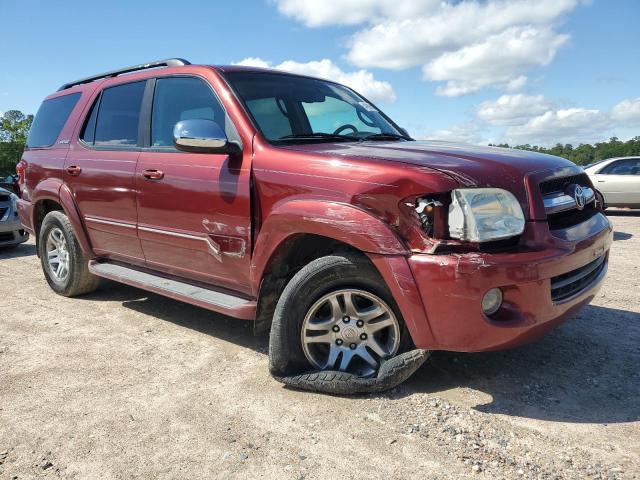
[(578, 194)]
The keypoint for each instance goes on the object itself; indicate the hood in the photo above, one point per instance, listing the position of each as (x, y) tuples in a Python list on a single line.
[(470, 165)]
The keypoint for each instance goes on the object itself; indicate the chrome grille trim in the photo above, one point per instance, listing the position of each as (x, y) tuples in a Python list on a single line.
[(560, 202)]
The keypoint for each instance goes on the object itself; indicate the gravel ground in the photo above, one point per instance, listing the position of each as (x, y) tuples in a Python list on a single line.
[(126, 384)]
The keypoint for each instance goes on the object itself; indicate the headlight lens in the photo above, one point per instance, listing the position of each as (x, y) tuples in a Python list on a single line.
[(484, 214)]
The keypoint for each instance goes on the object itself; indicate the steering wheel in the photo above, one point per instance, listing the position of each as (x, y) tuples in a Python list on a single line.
[(346, 126)]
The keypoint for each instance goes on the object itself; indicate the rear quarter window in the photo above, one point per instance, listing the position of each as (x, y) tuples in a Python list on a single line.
[(50, 119)]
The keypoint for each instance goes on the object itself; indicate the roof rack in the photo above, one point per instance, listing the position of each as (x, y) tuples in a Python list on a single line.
[(170, 62)]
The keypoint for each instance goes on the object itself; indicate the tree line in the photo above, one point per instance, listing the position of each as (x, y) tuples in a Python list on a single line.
[(585, 154), (14, 128)]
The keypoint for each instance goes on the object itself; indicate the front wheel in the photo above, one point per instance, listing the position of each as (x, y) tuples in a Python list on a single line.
[(64, 263), (335, 314)]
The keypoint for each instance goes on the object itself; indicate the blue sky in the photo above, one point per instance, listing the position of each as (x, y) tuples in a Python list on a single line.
[(538, 71)]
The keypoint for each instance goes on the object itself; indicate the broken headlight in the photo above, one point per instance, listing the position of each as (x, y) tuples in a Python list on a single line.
[(484, 214)]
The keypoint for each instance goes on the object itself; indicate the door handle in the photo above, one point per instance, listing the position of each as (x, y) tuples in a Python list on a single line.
[(601, 181), (153, 174), (74, 171)]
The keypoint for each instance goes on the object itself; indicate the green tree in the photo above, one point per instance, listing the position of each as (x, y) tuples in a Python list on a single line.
[(14, 126)]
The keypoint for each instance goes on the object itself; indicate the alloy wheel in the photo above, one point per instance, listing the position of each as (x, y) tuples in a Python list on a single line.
[(351, 331), (57, 254)]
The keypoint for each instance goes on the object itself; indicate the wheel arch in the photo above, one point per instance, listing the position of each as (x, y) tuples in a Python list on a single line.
[(47, 199), (300, 231)]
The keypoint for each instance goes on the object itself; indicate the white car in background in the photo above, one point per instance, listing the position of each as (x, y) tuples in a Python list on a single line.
[(617, 181)]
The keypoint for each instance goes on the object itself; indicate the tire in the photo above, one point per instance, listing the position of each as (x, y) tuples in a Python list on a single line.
[(600, 200), (322, 278), (75, 279)]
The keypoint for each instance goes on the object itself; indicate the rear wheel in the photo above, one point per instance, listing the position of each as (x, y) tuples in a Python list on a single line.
[(64, 263), (335, 314)]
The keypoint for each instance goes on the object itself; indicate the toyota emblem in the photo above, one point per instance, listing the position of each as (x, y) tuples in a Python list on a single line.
[(580, 197)]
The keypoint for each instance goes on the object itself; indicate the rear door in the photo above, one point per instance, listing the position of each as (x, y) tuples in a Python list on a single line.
[(100, 170), (619, 182), (193, 208)]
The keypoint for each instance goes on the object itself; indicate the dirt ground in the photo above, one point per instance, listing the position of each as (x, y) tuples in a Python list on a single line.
[(126, 384)]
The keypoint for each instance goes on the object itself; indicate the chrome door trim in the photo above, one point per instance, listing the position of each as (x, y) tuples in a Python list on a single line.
[(109, 222)]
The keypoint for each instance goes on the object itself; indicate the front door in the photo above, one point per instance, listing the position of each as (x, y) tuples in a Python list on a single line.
[(619, 182), (100, 171), (194, 212)]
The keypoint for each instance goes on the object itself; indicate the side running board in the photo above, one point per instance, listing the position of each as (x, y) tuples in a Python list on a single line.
[(215, 300)]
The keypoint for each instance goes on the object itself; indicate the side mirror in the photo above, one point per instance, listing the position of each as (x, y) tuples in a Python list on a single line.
[(202, 136)]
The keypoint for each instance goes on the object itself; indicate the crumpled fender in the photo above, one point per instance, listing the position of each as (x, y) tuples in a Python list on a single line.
[(338, 221), (391, 373)]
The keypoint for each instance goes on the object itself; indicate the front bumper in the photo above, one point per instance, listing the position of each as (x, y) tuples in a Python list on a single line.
[(452, 286), (11, 231)]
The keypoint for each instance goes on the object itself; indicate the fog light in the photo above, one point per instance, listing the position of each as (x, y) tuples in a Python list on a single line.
[(492, 301)]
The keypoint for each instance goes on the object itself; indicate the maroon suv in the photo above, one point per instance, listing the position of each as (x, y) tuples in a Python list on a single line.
[(296, 203)]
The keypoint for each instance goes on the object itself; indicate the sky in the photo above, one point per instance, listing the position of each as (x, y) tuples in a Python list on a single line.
[(480, 71)]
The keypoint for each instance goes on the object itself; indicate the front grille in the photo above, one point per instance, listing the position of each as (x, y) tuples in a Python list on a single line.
[(559, 184), (6, 237), (556, 188), (570, 218), (568, 284)]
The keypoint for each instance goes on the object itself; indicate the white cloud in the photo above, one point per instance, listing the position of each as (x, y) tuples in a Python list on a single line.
[(627, 112), (468, 45), (513, 109), (498, 60), (572, 125), (533, 119), (318, 13), (470, 132), (253, 62), (362, 81)]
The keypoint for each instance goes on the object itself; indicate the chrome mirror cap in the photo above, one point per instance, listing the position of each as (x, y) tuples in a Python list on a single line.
[(199, 135)]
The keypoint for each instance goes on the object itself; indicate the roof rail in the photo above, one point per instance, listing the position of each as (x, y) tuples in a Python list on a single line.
[(170, 62)]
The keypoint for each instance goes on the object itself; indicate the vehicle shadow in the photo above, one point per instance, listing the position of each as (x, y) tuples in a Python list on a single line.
[(622, 212), (586, 371), (621, 236), (22, 250), (182, 314)]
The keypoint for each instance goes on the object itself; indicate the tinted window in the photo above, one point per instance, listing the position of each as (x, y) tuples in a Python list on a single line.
[(51, 117), (183, 98), (271, 115), (623, 167), (89, 131), (118, 115), (283, 105), (332, 113)]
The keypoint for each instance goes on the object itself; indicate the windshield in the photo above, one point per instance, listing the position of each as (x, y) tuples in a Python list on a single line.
[(290, 109)]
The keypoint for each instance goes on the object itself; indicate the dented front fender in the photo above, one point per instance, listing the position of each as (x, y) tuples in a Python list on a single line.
[(338, 221)]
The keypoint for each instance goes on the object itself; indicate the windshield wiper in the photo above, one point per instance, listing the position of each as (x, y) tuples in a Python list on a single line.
[(385, 136), (322, 135)]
